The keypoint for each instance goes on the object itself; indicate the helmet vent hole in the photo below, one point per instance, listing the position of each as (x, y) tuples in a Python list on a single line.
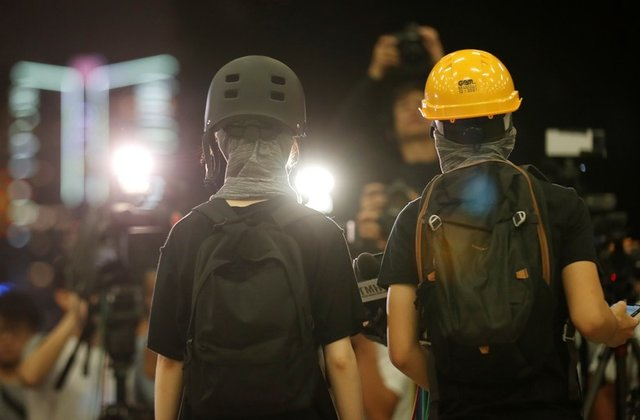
[(231, 78), (278, 80), (231, 93), (277, 96)]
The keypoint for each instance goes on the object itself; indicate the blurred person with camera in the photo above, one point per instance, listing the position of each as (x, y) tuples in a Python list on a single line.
[(380, 122), (80, 369), (20, 319), (64, 369), (52, 393)]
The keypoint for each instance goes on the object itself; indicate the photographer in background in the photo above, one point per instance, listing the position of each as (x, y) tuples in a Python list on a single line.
[(80, 396), (379, 122), (82, 367)]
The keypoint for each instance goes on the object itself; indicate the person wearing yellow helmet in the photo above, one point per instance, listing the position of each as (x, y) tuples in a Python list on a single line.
[(469, 100)]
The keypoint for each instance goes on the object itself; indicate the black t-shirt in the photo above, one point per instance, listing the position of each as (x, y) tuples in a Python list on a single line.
[(337, 309), (546, 396)]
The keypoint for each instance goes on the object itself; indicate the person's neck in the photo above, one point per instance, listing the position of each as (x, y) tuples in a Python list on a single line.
[(243, 203), (417, 150)]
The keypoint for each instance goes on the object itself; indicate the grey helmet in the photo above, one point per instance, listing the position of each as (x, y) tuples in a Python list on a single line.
[(255, 85)]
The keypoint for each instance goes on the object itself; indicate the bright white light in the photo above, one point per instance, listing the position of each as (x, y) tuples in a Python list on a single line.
[(314, 184), (132, 165), (314, 179), (321, 202)]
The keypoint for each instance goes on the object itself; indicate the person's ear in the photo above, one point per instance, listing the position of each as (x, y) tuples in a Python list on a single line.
[(294, 155), (432, 130), (295, 147)]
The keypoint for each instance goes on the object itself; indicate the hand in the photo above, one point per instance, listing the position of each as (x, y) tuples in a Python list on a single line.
[(626, 324), (385, 56), (77, 308), (431, 42)]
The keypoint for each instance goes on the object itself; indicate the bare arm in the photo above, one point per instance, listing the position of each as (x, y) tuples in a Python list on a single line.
[(379, 401), (402, 323), (589, 311), (37, 365), (167, 388), (342, 369)]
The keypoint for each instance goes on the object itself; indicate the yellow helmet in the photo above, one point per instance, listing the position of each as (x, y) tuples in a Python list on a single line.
[(468, 84)]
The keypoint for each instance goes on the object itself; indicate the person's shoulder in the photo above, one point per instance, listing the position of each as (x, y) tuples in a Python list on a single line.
[(313, 218), (411, 209), (557, 193), (192, 223), (565, 206)]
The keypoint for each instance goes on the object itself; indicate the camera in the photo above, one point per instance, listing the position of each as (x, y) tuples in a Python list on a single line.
[(412, 52)]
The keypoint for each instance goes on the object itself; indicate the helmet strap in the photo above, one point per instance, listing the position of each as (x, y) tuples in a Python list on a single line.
[(214, 162)]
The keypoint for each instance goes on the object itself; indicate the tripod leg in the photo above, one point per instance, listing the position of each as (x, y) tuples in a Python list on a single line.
[(583, 352), (633, 403), (622, 388), (596, 381), (635, 349)]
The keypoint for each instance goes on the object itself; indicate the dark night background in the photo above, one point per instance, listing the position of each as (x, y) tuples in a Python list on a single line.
[(573, 67)]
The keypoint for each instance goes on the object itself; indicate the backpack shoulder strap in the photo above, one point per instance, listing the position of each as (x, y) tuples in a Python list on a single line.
[(420, 244), (569, 330), (540, 211)]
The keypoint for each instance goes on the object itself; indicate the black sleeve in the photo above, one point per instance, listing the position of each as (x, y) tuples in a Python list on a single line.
[(399, 259), (576, 232), (163, 335), (171, 304), (335, 298)]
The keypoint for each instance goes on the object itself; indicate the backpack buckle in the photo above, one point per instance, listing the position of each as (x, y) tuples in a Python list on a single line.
[(435, 222), (519, 218), (568, 333)]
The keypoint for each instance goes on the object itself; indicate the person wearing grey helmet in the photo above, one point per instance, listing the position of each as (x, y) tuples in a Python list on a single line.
[(255, 116)]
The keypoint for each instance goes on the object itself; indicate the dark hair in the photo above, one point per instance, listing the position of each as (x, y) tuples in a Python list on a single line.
[(17, 306), (400, 89), (393, 91)]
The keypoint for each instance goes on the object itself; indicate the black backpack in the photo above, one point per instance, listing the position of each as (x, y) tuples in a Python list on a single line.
[(250, 346), (485, 297)]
